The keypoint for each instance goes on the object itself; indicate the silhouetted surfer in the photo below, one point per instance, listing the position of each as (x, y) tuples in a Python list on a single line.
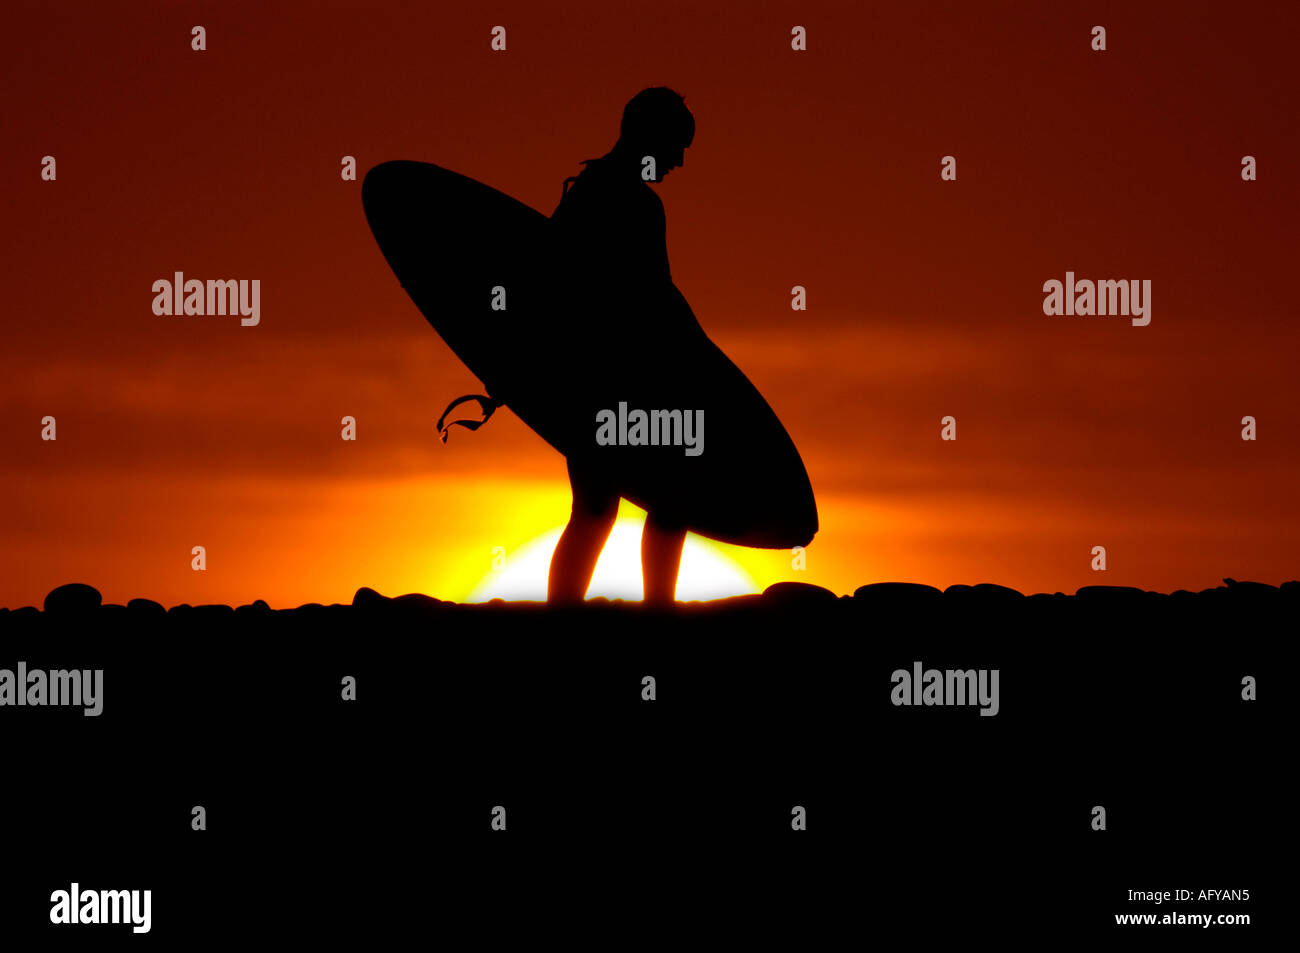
[(574, 323), (612, 224)]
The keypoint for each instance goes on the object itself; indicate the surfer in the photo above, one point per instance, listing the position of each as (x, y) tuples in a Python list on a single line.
[(596, 323), (612, 224)]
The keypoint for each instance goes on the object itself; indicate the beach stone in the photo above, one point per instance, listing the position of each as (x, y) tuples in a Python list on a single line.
[(984, 592), (897, 592), (1251, 588), (799, 592), (73, 597), (417, 600), (1111, 593), (367, 598)]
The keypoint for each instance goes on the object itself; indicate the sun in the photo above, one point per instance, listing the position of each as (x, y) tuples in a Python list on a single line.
[(706, 573)]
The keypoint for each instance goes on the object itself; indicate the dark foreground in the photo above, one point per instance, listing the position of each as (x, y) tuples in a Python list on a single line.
[(625, 817)]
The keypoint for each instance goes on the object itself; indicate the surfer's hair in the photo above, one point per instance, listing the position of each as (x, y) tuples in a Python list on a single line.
[(657, 114)]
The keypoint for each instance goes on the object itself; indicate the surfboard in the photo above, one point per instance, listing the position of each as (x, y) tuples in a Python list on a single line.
[(492, 276)]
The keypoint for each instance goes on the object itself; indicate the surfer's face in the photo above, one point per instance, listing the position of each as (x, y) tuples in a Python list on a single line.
[(671, 159)]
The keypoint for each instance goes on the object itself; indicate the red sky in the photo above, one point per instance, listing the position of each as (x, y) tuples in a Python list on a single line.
[(818, 168)]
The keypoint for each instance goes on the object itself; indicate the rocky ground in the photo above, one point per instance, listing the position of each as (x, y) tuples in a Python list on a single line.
[(350, 759)]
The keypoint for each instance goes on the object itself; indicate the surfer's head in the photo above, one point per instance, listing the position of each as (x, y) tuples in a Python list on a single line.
[(657, 123)]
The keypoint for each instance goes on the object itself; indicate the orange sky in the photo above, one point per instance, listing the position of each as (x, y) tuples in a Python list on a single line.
[(817, 168)]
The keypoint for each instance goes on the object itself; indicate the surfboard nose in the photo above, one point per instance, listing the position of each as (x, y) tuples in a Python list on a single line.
[(385, 185), (395, 173)]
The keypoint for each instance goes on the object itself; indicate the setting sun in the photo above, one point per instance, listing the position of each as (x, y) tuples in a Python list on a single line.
[(706, 573)]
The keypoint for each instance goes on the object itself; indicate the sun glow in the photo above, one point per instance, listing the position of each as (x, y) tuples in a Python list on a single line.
[(706, 573)]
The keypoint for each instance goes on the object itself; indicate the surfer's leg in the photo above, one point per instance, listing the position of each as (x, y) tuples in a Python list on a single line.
[(661, 558), (595, 508)]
